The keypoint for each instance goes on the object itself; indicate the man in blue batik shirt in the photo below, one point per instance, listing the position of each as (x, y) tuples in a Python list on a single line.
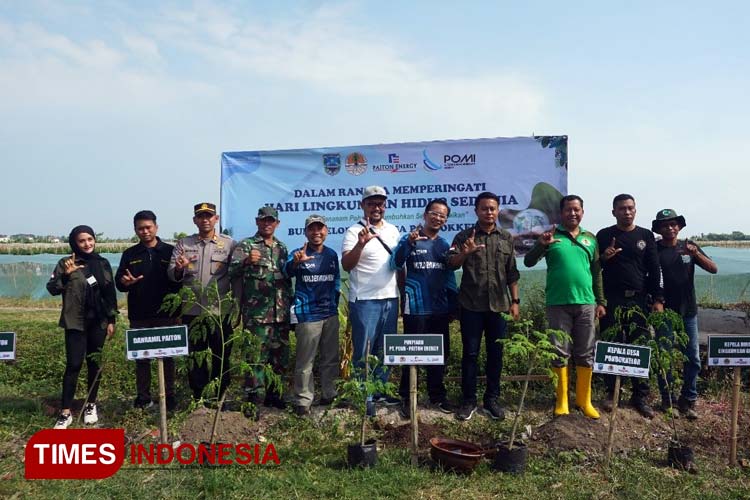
[(315, 268), (430, 295)]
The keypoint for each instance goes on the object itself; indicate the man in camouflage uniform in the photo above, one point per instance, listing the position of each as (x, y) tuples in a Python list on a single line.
[(265, 298)]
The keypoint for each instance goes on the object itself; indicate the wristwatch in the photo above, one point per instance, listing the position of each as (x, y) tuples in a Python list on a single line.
[(515, 301)]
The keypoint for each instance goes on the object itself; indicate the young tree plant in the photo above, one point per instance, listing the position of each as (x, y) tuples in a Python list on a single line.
[(533, 347), (667, 338), (364, 383), (221, 310)]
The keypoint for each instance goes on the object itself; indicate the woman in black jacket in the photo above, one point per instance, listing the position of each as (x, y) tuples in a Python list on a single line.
[(88, 316)]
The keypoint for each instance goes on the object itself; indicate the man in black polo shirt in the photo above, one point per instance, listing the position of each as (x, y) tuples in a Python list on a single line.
[(678, 259), (632, 278), (143, 275)]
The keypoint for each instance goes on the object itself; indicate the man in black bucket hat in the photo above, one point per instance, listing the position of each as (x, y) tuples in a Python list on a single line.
[(678, 259)]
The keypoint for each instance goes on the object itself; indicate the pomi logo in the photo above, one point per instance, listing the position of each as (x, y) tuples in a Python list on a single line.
[(449, 161), (459, 160)]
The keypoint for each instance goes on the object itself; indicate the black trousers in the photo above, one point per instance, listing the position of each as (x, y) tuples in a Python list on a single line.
[(143, 366), (80, 345), (437, 324), (220, 350), (624, 335)]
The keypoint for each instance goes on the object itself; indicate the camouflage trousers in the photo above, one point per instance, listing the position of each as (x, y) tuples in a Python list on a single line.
[(272, 348)]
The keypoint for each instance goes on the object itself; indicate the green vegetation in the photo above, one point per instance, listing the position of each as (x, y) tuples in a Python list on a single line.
[(733, 236), (312, 452)]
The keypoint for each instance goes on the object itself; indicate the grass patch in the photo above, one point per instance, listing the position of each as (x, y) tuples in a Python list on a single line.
[(312, 453)]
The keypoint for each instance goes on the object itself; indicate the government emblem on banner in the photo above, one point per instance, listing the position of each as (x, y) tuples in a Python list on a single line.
[(356, 163), (332, 163)]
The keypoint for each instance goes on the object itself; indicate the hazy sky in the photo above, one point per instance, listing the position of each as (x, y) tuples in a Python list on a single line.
[(111, 107)]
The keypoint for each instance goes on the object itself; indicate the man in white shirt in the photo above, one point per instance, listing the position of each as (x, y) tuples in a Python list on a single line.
[(373, 293)]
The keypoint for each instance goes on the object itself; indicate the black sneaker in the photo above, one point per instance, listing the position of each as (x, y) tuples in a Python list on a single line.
[(143, 404), (386, 400), (273, 400), (171, 403), (642, 407), (445, 407), (466, 411), (405, 411), (687, 408), (302, 411), (326, 401), (493, 410)]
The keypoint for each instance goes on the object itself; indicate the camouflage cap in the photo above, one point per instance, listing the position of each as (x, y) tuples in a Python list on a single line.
[(267, 211), (315, 218)]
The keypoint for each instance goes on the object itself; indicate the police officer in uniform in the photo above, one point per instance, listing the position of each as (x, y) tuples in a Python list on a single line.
[(201, 262)]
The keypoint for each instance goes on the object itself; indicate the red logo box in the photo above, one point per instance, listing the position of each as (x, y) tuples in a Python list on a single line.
[(74, 453)]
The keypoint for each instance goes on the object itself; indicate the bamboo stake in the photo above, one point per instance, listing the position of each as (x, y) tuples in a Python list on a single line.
[(735, 411), (610, 436), (413, 413), (162, 401)]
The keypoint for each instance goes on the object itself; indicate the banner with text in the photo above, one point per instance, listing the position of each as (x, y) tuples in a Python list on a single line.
[(728, 350), (413, 349), (529, 174), (160, 342), (622, 359)]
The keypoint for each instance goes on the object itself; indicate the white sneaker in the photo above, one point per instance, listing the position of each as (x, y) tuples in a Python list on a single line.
[(89, 414), (63, 421)]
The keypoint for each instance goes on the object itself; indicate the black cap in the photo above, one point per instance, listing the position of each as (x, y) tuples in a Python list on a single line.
[(204, 208)]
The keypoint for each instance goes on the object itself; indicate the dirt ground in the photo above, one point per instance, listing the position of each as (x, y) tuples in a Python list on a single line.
[(709, 435)]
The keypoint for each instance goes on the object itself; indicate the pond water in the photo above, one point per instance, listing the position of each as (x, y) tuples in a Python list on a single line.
[(26, 275)]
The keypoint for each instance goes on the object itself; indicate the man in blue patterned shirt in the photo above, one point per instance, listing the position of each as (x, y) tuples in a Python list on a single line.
[(430, 295), (315, 268)]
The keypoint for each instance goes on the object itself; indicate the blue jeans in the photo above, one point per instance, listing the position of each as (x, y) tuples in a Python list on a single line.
[(692, 366), (371, 319), (472, 325)]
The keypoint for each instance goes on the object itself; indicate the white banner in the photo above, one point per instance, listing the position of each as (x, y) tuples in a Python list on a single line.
[(529, 174)]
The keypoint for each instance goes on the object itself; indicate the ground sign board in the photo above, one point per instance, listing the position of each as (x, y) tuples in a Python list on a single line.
[(728, 350), (7, 346), (622, 359), (424, 349), (146, 343)]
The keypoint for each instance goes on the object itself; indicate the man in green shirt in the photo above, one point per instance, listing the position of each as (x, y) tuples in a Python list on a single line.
[(574, 298)]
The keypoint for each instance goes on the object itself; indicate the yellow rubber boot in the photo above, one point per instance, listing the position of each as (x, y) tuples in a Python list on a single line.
[(561, 405), (583, 391)]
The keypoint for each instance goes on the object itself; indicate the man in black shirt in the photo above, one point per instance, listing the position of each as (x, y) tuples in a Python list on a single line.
[(143, 275), (632, 278), (678, 260)]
